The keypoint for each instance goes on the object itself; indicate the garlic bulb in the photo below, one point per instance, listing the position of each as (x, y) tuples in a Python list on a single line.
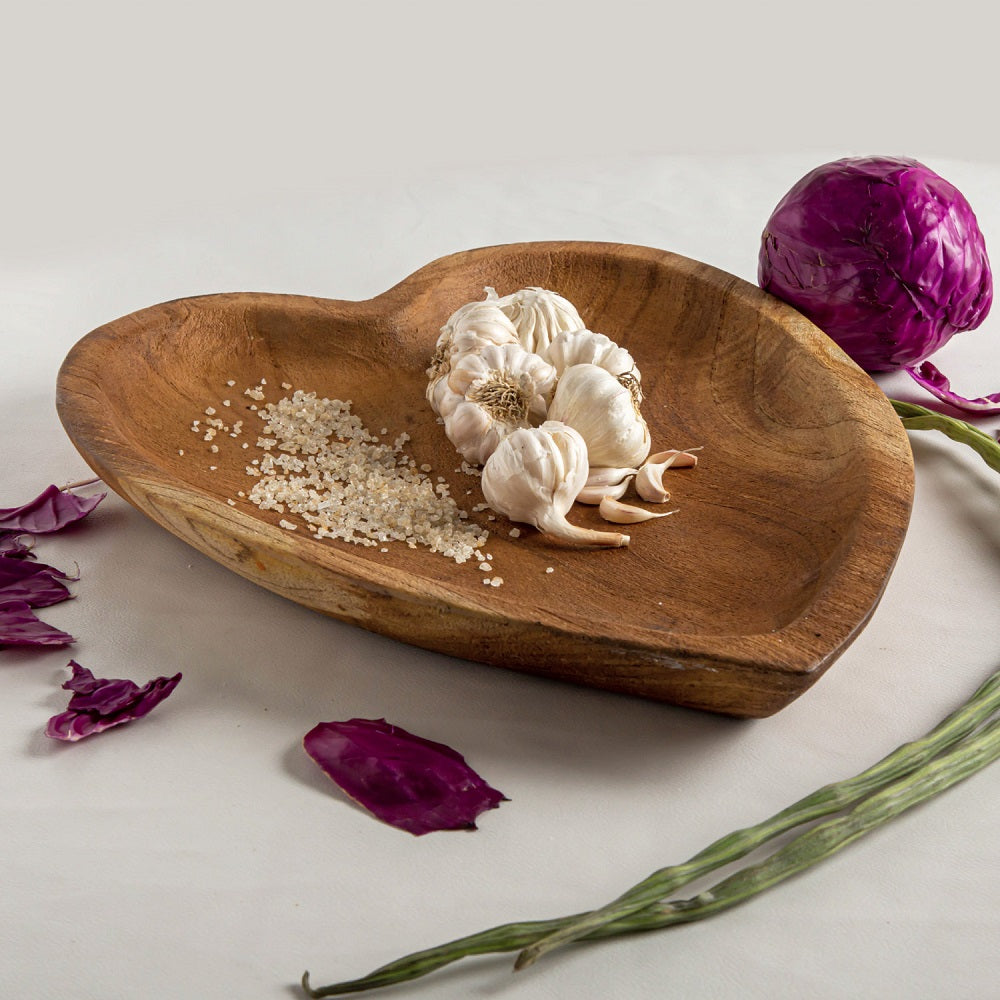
[(649, 481), (474, 326), (623, 513), (584, 347), (535, 474), (539, 316), (493, 391), (605, 411)]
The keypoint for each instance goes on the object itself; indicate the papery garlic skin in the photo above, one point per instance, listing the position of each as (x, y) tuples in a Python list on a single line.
[(584, 347), (535, 474), (605, 412), (539, 316), (492, 392)]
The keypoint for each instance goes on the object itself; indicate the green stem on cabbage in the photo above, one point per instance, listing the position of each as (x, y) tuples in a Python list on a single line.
[(962, 744)]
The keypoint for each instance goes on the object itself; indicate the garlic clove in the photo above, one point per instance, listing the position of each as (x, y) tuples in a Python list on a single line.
[(649, 481), (595, 494), (442, 399), (602, 475), (623, 513), (675, 458), (474, 432), (605, 481)]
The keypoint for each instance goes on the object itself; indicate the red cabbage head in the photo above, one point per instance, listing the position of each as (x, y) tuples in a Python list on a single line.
[(883, 255)]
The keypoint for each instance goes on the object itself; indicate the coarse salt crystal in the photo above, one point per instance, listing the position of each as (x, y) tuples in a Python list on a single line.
[(333, 473)]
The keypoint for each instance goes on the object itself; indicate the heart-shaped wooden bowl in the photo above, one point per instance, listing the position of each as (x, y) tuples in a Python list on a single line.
[(785, 535)]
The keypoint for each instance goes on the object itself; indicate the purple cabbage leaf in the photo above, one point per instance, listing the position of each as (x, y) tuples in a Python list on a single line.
[(19, 626), (404, 780), (98, 704), (928, 376), (52, 510), (13, 546), (33, 582)]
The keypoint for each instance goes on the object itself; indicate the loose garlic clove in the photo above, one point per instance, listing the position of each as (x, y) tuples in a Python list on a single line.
[(603, 481), (674, 458), (623, 513), (602, 475), (649, 481), (595, 494), (535, 474)]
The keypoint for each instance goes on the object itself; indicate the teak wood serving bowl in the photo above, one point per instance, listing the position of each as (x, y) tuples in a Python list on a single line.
[(785, 535)]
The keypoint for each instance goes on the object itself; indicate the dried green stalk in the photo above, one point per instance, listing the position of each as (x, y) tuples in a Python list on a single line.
[(819, 842), (963, 743), (918, 418), (826, 801)]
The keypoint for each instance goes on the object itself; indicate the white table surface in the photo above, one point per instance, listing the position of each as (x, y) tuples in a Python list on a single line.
[(199, 853)]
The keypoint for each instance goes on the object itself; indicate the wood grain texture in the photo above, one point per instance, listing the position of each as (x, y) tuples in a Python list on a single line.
[(786, 533)]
